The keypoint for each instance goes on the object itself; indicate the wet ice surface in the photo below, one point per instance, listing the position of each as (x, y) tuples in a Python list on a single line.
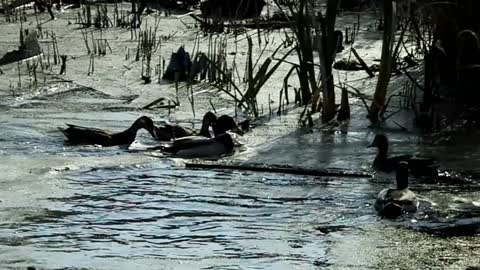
[(106, 208)]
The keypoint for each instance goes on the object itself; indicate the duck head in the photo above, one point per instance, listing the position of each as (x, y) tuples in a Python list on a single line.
[(226, 123), (144, 122), (381, 142), (401, 172), (208, 120)]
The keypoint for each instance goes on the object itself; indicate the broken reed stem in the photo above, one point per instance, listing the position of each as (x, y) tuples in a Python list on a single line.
[(213, 106), (19, 76), (91, 65), (192, 100)]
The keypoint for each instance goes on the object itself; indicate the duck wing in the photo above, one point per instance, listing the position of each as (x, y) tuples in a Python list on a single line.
[(420, 166), (188, 143), (163, 133), (180, 131), (167, 132), (392, 202), (85, 135)]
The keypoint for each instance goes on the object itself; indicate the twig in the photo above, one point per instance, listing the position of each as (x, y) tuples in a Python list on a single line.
[(149, 105), (413, 80), (362, 63)]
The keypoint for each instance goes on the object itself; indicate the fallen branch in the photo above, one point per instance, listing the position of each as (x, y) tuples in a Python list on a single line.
[(362, 63), (153, 103), (279, 169)]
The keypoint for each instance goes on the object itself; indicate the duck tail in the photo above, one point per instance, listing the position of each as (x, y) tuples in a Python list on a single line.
[(392, 210), (64, 131)]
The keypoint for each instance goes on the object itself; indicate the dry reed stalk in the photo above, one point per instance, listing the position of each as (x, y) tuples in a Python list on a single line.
[(191, 99), (85, 39), (91, 65), (19, 84), (93, 43)]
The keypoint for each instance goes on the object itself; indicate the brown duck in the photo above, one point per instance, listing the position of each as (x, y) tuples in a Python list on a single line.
[(85, 135)]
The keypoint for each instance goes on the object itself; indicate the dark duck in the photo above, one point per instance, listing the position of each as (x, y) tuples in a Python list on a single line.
[(86, 135), (168, 131), (199, 147), (419, 166), (393, 202), (219, 125)]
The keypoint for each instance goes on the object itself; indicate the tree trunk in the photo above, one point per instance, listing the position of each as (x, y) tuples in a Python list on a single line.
[(377, 107), (327, 54), (344, 111)]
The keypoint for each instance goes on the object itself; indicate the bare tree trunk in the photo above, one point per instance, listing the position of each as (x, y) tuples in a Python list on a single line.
[(327, 53), (377, 107), (344, 111)]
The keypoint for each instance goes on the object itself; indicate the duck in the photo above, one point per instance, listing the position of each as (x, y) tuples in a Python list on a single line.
[(219, 125), (393, 202), (199, 147), (419, 166), (77, 135), (226, 123), (168, 131)]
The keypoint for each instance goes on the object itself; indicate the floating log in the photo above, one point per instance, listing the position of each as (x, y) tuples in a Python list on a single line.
[(332, 172)]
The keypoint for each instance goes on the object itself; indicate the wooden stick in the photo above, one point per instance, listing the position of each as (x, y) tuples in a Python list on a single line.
[(279, 169), (362, 63)]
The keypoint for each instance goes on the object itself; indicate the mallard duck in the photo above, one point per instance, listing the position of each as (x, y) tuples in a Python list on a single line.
[(418, 166), (195, 147), (85, 135), (392, 203), (221, 125), (167, 132), (226, 123)]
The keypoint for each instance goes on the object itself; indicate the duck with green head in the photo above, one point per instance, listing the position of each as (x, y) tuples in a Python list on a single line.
[(393, 202), (199, 147), (226, 123), (419, 166), (86, 135)]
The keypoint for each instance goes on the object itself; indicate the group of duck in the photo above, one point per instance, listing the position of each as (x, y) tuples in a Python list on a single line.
[(186, 142), (175, 139)]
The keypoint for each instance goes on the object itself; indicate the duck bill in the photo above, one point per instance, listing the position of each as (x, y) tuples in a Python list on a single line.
[(372, 145)]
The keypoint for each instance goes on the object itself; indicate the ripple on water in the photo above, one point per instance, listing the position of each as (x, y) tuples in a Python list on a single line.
[(203, 219), (265, 220)]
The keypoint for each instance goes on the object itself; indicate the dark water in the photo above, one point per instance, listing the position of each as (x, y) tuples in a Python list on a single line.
[(157, 211), (107, 208)]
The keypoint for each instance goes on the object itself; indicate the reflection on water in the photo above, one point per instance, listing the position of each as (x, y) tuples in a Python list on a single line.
[(219, 220), (155, 215), (173, 213)]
